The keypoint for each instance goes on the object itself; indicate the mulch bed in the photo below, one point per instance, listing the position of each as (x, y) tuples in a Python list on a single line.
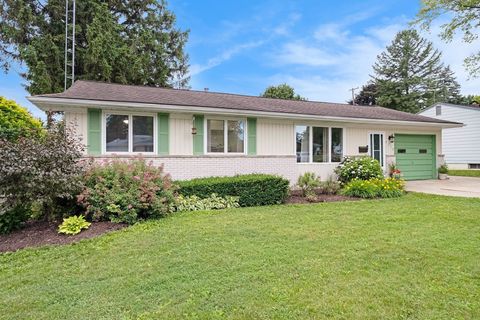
[(296, 197), (40, 233)]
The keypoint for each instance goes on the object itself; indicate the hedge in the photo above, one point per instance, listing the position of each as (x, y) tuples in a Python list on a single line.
[(252, 189)]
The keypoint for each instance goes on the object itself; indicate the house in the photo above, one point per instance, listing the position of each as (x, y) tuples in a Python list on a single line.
[(460, 145), (197, 134)]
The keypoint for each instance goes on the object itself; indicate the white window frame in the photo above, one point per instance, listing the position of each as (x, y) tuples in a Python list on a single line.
[(225, 135), (370, 150), (130, 132), (310, 142)]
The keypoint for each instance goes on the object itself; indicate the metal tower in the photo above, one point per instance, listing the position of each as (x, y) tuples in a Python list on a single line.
[(69, 43)]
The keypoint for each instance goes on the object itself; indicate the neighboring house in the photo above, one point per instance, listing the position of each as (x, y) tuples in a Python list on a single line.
[(460, 145), (197, 134)]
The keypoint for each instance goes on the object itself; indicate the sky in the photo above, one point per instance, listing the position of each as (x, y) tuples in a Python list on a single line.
[(321, 48)]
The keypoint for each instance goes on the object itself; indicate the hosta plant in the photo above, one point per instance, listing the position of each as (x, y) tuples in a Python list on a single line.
[(73, 225)]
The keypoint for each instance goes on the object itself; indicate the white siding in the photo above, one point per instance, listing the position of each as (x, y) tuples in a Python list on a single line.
[(275, 137), (460, 145), (77, 121)]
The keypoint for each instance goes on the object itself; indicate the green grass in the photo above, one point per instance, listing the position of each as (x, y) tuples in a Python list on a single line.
[(464, 173), (417, 257)]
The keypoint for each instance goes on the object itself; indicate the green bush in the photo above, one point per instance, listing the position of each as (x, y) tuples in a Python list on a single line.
[(329, 186), (126, 191), (194, 203), (374, 188), (252, 189), (73, 225), (16, 121), (308, 182), (361, 168), (13, 218), (443, 169)]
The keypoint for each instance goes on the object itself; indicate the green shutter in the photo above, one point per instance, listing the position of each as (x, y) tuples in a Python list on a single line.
[(163, 142), (198, 138), (252, 136), (94, 135)]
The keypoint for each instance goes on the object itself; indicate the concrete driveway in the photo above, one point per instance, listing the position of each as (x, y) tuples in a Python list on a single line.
[(455, 186)]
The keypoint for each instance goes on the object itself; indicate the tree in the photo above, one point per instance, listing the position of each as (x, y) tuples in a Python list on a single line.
[(121, 41), (409, 74), (282, 91), (464, 18), (16, 121), (367, 96)]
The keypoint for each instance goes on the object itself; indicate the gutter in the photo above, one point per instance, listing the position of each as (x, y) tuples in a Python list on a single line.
[(49, 104)]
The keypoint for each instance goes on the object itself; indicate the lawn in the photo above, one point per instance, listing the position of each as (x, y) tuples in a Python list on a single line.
[(464, 173), (411, 258)]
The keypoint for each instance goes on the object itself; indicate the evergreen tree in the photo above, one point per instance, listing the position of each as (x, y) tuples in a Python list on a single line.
[(409, 74), (367, 95), (121, 41), (282, 91)]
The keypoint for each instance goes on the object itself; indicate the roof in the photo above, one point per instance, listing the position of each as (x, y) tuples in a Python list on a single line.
[(462, 106), (100, 91)]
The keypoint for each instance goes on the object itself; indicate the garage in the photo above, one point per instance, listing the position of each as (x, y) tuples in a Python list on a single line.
[(415, 156)]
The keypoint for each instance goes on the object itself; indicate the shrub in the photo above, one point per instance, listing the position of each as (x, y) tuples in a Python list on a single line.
[(43, 169), (73, 225), (443, 169), (308, 182), (329, 186), (16, 121), (361, 168), (374, 188), (126, 191), (252, 189), (194, 203), (13, 218)]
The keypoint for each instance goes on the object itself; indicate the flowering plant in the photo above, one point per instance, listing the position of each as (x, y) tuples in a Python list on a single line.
[(126, 191), (362, 168)]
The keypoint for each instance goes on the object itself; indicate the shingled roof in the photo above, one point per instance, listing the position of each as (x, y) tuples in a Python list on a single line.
[(100, 91)]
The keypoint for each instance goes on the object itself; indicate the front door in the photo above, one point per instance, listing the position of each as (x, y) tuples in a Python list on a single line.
[(376, 147)]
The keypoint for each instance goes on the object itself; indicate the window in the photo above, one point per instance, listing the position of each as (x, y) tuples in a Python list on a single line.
[(302, 134), (438, 110), (318, 144), (225, 136), (474, 166), (129, 133)]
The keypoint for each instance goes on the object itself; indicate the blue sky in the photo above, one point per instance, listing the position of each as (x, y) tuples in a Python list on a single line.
[(321, 48)]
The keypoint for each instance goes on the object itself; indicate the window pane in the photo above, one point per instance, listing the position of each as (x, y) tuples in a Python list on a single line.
[(236, 136), (303, 147), (142, 134), (215, 136), (117, 133), (337, 144), (320, 144)]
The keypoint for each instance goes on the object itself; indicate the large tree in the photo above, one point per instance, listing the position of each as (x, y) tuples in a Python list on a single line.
[(463, 17), (367, 95), (409, 74), (122, 41), (282, 91)]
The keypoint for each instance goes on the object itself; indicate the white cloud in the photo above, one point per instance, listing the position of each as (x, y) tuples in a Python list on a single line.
[(223, 56), (331, 60)]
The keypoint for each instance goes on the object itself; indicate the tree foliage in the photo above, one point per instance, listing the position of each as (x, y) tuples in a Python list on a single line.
[(367, 95), (464, 18), (121, 41), (282, 91), (409, 74), (16, 121)]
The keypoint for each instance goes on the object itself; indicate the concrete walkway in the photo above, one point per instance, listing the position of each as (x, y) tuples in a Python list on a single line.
[(455, 186)]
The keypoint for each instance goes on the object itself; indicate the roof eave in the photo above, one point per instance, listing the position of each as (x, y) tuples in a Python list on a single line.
[(57, 104)]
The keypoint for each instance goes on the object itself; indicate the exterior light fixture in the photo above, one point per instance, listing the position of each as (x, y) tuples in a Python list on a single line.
[(391, 138), (194, 130)]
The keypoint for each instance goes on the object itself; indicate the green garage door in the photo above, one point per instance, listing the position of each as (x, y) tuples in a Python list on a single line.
[(415, 156)]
